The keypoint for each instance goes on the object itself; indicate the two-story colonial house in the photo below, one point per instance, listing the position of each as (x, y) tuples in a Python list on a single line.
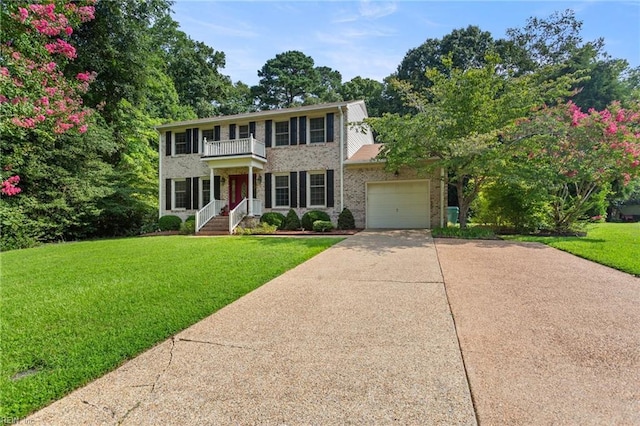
[(305, 158)]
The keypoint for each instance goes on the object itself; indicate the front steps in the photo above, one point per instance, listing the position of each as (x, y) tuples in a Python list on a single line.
[(218, 225)]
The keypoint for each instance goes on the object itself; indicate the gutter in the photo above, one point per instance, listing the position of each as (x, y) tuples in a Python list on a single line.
[(442, 184), (160, 200)]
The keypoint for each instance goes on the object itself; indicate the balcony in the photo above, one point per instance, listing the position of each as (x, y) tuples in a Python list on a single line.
[(236, 147)]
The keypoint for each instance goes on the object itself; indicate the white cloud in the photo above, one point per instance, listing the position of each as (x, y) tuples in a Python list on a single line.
[(376, 9)]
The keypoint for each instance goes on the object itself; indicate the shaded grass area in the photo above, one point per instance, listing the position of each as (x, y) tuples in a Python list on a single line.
[(72, 312), (612, 244)]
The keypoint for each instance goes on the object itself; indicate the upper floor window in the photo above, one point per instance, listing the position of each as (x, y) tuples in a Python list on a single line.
[(316, 130), (243, 131), (208, 134), (282, 133), (281, 189), (181, 143)]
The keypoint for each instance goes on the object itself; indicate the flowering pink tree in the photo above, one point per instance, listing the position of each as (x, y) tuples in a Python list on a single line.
[(34, 94), (576, 154)]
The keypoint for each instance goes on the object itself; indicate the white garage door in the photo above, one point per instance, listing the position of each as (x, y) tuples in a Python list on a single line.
[(398, 204)]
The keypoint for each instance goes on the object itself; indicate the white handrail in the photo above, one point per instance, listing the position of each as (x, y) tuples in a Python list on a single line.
[(237, 214), (257, 207), (209, 211)]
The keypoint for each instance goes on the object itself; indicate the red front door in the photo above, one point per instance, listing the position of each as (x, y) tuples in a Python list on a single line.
[(238, 189)]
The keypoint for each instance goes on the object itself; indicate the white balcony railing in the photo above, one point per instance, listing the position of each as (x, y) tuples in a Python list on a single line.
[(244, 146)]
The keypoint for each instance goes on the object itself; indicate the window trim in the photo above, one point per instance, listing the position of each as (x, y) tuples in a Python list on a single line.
[(324, 175), (275, 133), (174, 204), (174, 143), (324, 130), (274, 189)]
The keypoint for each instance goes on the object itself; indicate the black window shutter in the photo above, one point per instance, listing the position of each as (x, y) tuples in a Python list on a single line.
[(167, 149), (252, 128), (195, 140), (216, 187), (267, 133), (188, 138), (195, 200), (330, 202), (303, 130), (216, 133), (293, 131), (293, 190), (167, 194), (232, 131), (329, 122), (188, 193), (267, 190), (303, 188)]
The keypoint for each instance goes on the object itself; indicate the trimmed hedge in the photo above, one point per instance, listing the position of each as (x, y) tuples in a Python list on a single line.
[(346, 220), (273, 218), (322, 226), (292, 221), (169, 223), (188, 227), (311, 216)]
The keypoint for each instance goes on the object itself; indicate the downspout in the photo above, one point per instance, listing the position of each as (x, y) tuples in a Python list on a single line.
[(442, 186), (341, 158), (160, 200)]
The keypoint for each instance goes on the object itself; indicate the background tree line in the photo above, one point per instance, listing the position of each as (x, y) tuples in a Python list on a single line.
[(134, 69)]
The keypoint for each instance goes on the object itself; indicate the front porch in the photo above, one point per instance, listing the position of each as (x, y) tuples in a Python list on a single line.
[(233, 162)]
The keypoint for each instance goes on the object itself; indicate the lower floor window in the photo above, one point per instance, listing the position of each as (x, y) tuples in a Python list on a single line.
[(317, 189), (281, 191), (180, 194), (206, 192)]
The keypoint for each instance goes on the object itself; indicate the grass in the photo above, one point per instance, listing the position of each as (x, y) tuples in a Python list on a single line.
[(613, 244), (72, 312)]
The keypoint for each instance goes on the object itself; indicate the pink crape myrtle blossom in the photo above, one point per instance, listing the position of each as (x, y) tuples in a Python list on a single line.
[(10, 187), (35, 95)]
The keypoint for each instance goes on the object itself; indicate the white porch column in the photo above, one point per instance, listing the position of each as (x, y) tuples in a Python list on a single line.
[(250, 195), (211, 186)]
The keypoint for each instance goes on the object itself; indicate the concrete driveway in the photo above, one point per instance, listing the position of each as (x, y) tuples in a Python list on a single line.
[(364, 333), (360, 334)]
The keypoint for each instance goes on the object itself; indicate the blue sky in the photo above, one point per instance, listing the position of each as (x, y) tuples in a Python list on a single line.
[(369, 38)]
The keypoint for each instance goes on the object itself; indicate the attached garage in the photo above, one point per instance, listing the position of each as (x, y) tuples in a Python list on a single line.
[(398, 204)]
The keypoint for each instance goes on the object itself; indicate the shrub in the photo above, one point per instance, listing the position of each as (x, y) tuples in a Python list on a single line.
[(311, 216), (188, 227), (169, 223), (346, 220), (262, 228), (322, 226), (273, 218), (191, 218), (292, 221)]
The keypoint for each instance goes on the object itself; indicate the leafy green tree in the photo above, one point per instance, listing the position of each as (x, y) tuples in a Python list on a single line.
[(286, 80), (366, 89), (575, 155), (458, 126), (291, 78)]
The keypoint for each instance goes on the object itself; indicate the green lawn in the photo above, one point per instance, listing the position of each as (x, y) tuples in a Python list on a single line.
[(612, 244), (71, 312)]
